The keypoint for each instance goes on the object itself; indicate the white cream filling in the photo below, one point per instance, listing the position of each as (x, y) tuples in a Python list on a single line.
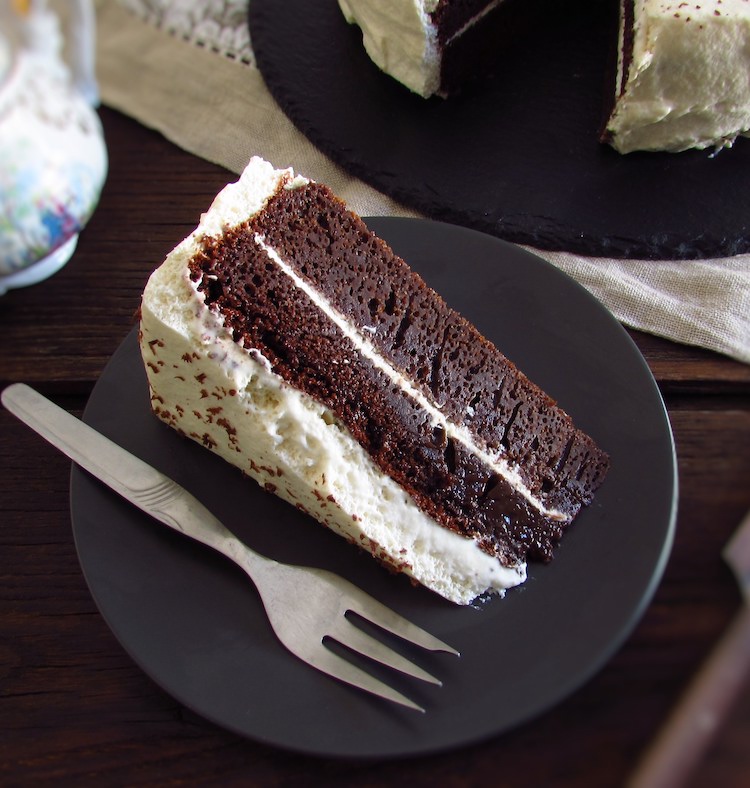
[(372, 354), (220, 394), (227, 397), (474, 20)]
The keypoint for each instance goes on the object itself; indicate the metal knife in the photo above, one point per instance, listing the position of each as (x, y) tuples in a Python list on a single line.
[(694, 722)]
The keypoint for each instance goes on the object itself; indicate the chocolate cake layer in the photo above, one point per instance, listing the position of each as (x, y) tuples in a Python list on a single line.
[(451, 16), (473, 36), (442, 356)]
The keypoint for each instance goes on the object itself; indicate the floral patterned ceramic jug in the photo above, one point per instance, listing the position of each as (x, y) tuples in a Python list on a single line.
[(53, 159)]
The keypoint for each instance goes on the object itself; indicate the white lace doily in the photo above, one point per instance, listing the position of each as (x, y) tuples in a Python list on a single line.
[(219, 25)]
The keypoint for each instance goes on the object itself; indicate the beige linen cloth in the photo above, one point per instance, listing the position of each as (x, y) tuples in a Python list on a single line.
[(219, 109)]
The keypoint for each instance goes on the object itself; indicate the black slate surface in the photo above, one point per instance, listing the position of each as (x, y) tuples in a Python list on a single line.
[(517, 155)]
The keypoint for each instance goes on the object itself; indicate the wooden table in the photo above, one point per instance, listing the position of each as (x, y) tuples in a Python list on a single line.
[(76, 710)]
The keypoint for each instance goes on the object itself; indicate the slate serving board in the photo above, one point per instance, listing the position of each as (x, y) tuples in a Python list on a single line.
[(517, 155)]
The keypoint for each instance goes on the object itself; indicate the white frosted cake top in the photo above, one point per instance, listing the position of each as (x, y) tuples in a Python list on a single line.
[(688, 82), (400, 39)]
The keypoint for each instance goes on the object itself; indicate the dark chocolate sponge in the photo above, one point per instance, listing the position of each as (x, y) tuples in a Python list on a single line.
[(442, 355)]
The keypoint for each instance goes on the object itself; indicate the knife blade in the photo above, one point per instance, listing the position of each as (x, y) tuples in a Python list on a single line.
[(693, 724)]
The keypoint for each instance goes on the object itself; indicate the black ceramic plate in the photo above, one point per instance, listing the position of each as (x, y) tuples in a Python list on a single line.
[(518, 155), (194, 623)]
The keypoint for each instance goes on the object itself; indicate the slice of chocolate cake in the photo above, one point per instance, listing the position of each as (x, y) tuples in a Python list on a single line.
[(286, 337)]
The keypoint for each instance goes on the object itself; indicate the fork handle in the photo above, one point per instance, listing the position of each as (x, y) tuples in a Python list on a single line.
[(136, 481)]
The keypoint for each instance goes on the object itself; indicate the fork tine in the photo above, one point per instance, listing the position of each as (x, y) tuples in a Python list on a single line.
[(297, 600), (326, 661), (379, 614), (349, 635)]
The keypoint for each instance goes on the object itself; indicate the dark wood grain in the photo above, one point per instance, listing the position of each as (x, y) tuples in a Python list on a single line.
[(76, 710)]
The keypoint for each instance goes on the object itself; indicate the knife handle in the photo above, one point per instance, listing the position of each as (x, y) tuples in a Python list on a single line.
[(696, 719), (149, 489)]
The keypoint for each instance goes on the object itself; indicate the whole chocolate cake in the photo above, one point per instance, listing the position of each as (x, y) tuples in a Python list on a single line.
[(292, 341), (682, 73)]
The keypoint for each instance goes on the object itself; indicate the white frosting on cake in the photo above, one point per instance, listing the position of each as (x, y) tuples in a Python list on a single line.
[(227, 397), (401, 39), (688, 83)]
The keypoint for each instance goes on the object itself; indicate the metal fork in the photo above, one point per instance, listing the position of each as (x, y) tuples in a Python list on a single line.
[(306, 606)]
